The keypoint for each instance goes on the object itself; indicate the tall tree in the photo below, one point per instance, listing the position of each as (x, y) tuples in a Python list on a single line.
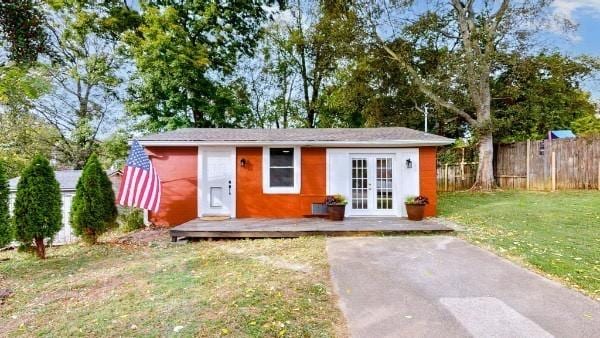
[(474, 32), (38, 213), (85, 74), (6, 229), (183, 52), (271, 82), (93, 210), (307, 45)]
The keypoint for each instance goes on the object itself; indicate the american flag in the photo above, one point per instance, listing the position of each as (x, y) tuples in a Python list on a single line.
[(140, 186)]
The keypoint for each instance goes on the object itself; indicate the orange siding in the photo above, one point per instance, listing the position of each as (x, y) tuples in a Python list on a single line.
[(427, 173), (252, 202), (178, 171)]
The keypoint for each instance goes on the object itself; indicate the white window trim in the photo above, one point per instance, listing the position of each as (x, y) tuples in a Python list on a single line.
[(267, 189)]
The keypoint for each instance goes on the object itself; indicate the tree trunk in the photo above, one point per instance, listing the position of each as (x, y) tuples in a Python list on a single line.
[(40, 248), (311, 118), (485, 170), (91, 237)]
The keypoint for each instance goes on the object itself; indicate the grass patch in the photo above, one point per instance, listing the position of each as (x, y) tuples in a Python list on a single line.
[(254, 288), (557, 233)]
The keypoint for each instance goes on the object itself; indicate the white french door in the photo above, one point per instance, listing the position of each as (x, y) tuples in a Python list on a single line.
[(372, 184)]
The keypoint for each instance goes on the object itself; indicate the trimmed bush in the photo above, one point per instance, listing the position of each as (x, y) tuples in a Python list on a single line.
[(93, 211), (38, 203), (6, 229), (131, 219)]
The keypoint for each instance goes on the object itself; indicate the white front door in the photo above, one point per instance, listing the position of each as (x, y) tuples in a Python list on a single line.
[(218, 182), (372, 184)]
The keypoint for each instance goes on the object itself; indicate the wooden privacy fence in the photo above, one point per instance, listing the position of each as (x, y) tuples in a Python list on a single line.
[(455, 177), (533, 165)]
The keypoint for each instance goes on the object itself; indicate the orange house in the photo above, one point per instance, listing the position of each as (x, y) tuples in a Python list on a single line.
[(280, 173)]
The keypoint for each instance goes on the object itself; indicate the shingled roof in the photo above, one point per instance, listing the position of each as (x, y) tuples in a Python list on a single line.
[(67, 179), (388, 136)]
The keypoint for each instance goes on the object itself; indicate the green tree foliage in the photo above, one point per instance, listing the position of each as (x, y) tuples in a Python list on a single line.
[(22, 27), (183, 50), (37, 205), (534, 94), (371, 91), (19, 86), (6, 229), (588, 125), (531, 94), (22, 39), (324, 34), (22, 134), (93, 211), (113, 151), (301, 53)]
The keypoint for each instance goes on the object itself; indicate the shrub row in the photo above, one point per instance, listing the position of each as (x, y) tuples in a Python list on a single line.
[(38, 206)]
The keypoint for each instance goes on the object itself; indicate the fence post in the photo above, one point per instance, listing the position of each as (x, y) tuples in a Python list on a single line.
[(446, 177), (553, 170), (462, 166), (528, 164)]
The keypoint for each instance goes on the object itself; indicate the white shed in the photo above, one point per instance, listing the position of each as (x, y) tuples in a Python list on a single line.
[(67, 179)]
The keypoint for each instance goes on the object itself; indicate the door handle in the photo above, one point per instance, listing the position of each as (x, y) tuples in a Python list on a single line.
[(229, 187)]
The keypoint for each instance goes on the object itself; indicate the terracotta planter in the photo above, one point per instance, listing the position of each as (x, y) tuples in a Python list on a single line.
[(336, 212), (415, 211)]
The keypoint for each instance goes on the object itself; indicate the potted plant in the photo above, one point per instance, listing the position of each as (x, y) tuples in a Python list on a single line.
[(415, 207), (336, 207)]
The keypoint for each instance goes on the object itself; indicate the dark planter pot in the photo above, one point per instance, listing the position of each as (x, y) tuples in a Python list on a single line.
[(415, 211), (336, 212)]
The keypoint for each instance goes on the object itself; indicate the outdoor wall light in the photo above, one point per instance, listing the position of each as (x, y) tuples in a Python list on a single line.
[(243, 162), (408, 163)]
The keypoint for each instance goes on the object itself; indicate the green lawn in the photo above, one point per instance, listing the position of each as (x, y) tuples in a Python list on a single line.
[(557, 233), (238, 288)]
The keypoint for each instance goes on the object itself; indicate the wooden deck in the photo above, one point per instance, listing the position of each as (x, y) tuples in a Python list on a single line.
[(296, 227)]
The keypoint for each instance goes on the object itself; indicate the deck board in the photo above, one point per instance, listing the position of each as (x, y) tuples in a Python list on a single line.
[(296, 227)]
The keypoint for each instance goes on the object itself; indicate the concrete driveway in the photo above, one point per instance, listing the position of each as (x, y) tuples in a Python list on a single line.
[(441, 286)]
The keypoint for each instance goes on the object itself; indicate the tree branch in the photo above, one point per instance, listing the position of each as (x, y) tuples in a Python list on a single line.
[(466, 26), (425, 88)]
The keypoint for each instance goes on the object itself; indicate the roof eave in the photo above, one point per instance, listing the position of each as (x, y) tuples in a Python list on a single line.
[(399, 143)]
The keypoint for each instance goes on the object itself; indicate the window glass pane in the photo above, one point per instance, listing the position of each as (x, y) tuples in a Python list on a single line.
[(282, 177), (384, 183), (359, 183), (281, 157)]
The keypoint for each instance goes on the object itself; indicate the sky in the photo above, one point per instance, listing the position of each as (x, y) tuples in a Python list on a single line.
[(586, 39)]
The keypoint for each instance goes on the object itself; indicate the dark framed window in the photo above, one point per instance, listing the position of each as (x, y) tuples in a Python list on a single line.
[(281, 167)]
